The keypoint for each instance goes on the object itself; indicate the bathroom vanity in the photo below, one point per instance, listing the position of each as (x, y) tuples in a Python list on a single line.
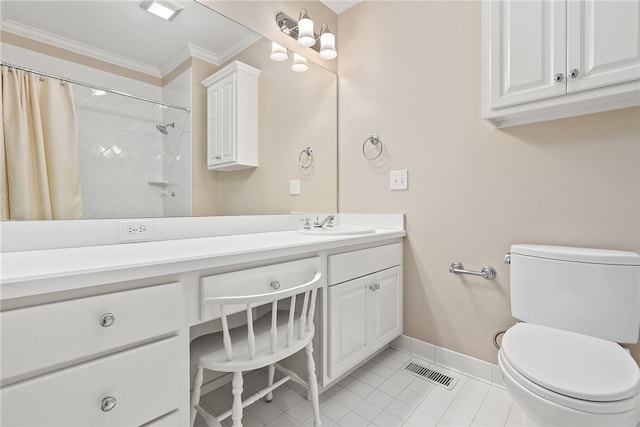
[(99, 334)]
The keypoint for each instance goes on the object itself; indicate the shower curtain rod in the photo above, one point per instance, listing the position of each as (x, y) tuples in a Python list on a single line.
[(116, 92)]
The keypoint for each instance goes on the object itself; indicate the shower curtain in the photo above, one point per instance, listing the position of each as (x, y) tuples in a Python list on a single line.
[(39, 159)]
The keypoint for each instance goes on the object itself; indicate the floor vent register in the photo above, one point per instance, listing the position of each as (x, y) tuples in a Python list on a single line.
[(431, 375)]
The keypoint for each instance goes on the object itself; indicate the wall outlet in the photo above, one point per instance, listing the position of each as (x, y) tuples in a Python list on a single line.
[(294, 186), (135, 230), (398, 180)]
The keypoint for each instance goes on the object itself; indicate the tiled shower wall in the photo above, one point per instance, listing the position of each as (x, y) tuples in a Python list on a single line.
[(124, 159)]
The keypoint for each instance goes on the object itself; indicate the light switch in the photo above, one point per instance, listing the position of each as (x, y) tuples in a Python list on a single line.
[(294, 186), (398, 180)]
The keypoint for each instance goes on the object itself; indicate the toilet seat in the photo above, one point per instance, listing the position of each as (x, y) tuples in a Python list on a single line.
[(570, 369)]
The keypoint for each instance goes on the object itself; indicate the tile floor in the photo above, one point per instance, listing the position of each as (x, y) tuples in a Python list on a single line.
[(381, 394)]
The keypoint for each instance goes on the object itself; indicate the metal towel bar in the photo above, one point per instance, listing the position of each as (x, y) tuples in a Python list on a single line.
[(487, 271)]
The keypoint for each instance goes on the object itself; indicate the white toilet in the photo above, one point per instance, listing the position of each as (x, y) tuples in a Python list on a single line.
[(562, 364)]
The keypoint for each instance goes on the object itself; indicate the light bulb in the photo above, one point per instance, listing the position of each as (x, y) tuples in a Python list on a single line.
[(306, 36), (327, 44), (278, 52), (299, 63)]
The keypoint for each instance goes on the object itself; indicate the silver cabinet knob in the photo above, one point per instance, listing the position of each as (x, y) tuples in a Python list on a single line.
[(573, 73), (108, 403), (275, 285), (374, 287), (107, 320), (558, 77)]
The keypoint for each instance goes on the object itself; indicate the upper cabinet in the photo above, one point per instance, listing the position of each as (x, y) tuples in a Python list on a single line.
[(232, 117), (545, 60)]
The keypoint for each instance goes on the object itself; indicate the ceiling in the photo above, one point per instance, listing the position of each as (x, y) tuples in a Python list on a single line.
[(122, 33), (339, 6)]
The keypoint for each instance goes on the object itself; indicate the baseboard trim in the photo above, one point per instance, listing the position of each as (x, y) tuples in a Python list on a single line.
[(452, 360)]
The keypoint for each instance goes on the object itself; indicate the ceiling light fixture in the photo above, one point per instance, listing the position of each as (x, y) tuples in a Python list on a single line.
[(302, 31), (165, 9)]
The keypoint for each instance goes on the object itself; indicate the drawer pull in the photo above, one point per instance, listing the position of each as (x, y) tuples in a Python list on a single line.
[(107, 320), (108, 403), (275, 285), (374, 287)]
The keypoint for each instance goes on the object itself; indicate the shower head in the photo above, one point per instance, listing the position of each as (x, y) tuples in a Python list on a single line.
[(163, 129)]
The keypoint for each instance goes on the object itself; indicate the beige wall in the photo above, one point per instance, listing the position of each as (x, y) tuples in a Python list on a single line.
[(205, 183), (410, 71), (296, 110)]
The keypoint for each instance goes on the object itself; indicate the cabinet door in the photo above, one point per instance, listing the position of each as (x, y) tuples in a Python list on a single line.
[(527, 50), (386, 307), (221, 110), (603, 43), (228, 122), (348, 342)]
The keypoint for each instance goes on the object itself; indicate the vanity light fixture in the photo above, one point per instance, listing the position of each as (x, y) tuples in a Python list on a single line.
[(278, 52), (306, 36), (327, 43), (165, 9), (302, 31), (299, 63)]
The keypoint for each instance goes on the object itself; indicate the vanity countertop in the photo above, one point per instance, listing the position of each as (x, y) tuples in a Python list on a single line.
[(35, 272)]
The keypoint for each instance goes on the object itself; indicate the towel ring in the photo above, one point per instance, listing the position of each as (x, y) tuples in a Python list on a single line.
[(376, 143), (305, 159)]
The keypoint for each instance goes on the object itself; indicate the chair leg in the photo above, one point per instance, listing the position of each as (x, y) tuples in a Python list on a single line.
[(271, 374), (195, 394), (313, 385), (236, 389)]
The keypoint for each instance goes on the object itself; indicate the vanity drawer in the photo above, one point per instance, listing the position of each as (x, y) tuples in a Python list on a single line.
[(254, 281), (144, 381), (350, 265), (41, 338)]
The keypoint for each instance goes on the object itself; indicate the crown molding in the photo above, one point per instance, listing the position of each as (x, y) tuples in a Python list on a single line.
[(79, 48)]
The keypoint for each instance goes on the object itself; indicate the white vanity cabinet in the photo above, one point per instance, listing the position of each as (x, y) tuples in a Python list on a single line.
[(545, 60), (112, 359), (232, 117), (365, 304)]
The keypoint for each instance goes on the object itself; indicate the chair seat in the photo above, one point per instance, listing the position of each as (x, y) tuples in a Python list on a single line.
[(208, 350)]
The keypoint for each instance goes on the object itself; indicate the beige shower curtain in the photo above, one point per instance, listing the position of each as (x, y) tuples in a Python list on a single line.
[(40, 172)]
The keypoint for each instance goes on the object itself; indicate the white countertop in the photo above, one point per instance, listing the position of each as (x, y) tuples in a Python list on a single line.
[(52, 270)]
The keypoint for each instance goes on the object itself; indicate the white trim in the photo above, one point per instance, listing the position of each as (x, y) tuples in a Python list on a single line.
[(458, 362), (80, 48)]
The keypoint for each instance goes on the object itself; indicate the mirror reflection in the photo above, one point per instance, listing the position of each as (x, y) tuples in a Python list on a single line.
[(145, 155)]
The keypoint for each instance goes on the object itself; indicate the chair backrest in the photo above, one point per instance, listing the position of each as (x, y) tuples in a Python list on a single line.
[(303, 318)]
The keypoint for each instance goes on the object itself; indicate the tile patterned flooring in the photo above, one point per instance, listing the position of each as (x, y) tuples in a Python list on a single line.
[(379, 394)]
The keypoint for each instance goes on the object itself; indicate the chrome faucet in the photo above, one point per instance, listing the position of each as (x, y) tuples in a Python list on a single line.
[(327, 222)]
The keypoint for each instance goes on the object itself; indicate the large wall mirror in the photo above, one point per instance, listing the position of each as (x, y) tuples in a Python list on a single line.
[(139, 158)]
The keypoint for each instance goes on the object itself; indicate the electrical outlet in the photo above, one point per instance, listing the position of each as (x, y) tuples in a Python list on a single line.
[(398, 180), (294, 186), (136, 230)]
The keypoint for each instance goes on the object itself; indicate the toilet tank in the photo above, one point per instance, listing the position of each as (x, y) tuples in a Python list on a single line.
[(590, 291)]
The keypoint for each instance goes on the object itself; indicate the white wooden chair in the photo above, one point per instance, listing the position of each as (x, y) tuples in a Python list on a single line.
[(261, 342)]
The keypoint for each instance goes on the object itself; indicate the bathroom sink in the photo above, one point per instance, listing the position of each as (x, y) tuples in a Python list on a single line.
[(337, 231)]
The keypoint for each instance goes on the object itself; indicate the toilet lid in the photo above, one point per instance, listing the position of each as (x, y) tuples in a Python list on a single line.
[(571, 364)]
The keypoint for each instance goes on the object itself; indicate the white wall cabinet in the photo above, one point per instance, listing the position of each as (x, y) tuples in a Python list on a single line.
[(545, 60), (232, 117), (365, 313)]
